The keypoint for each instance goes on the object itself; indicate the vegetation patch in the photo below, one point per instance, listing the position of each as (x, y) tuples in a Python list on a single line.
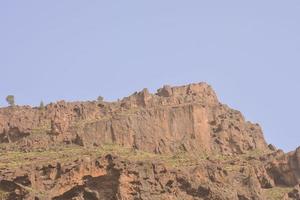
[(15, 159), (276, 193), (3, 194)]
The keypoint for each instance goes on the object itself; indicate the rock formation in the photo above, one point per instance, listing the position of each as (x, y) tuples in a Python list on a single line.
[(180, 143)]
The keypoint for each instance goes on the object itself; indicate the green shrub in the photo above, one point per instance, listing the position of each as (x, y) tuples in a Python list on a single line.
[(10, 100)]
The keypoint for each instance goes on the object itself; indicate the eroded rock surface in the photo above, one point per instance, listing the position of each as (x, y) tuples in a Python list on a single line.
[(188, 118), (180, 143)]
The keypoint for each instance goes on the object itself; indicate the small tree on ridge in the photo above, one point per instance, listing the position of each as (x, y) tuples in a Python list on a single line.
[(100, 99), (10, 100)]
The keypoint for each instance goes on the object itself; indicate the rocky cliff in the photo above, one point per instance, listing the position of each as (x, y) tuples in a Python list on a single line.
[(180, 143)]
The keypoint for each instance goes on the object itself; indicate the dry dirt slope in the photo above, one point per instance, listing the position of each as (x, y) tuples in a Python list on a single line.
[(180, 143)]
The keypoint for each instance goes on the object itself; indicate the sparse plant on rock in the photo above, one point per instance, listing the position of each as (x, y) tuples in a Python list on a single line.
[(100, 99), (42, 106), (10, 100)]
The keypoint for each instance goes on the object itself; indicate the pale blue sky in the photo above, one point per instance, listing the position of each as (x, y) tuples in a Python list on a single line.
[(249, 51)]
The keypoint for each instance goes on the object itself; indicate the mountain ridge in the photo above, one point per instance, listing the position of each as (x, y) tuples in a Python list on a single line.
[(185, 125)]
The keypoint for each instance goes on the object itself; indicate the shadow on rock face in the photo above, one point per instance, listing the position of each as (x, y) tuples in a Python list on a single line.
[(101, 187), (12, 135)]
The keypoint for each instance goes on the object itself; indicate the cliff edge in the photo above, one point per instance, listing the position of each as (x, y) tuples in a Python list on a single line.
[(179, 143)]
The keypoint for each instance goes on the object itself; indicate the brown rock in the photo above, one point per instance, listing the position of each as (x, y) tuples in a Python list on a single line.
[(187, 118), (294, 194), (180, 143)]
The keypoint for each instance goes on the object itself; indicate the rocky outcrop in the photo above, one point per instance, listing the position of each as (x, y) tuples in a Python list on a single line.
[(187, 118), (284, 168), (113, 177), (110, 177), (294, 194), (180, 143)]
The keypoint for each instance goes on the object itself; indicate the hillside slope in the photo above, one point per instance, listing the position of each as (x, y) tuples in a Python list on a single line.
[(180, 143)]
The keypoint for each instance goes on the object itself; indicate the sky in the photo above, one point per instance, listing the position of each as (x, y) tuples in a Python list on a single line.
[(249, 51)]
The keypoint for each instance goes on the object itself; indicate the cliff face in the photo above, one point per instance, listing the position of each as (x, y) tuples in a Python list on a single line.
[(180, 143), (188, 118)]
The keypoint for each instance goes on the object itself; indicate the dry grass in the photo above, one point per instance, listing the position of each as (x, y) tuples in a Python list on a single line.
[(14, 159), (3, 194), (276, 193)]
